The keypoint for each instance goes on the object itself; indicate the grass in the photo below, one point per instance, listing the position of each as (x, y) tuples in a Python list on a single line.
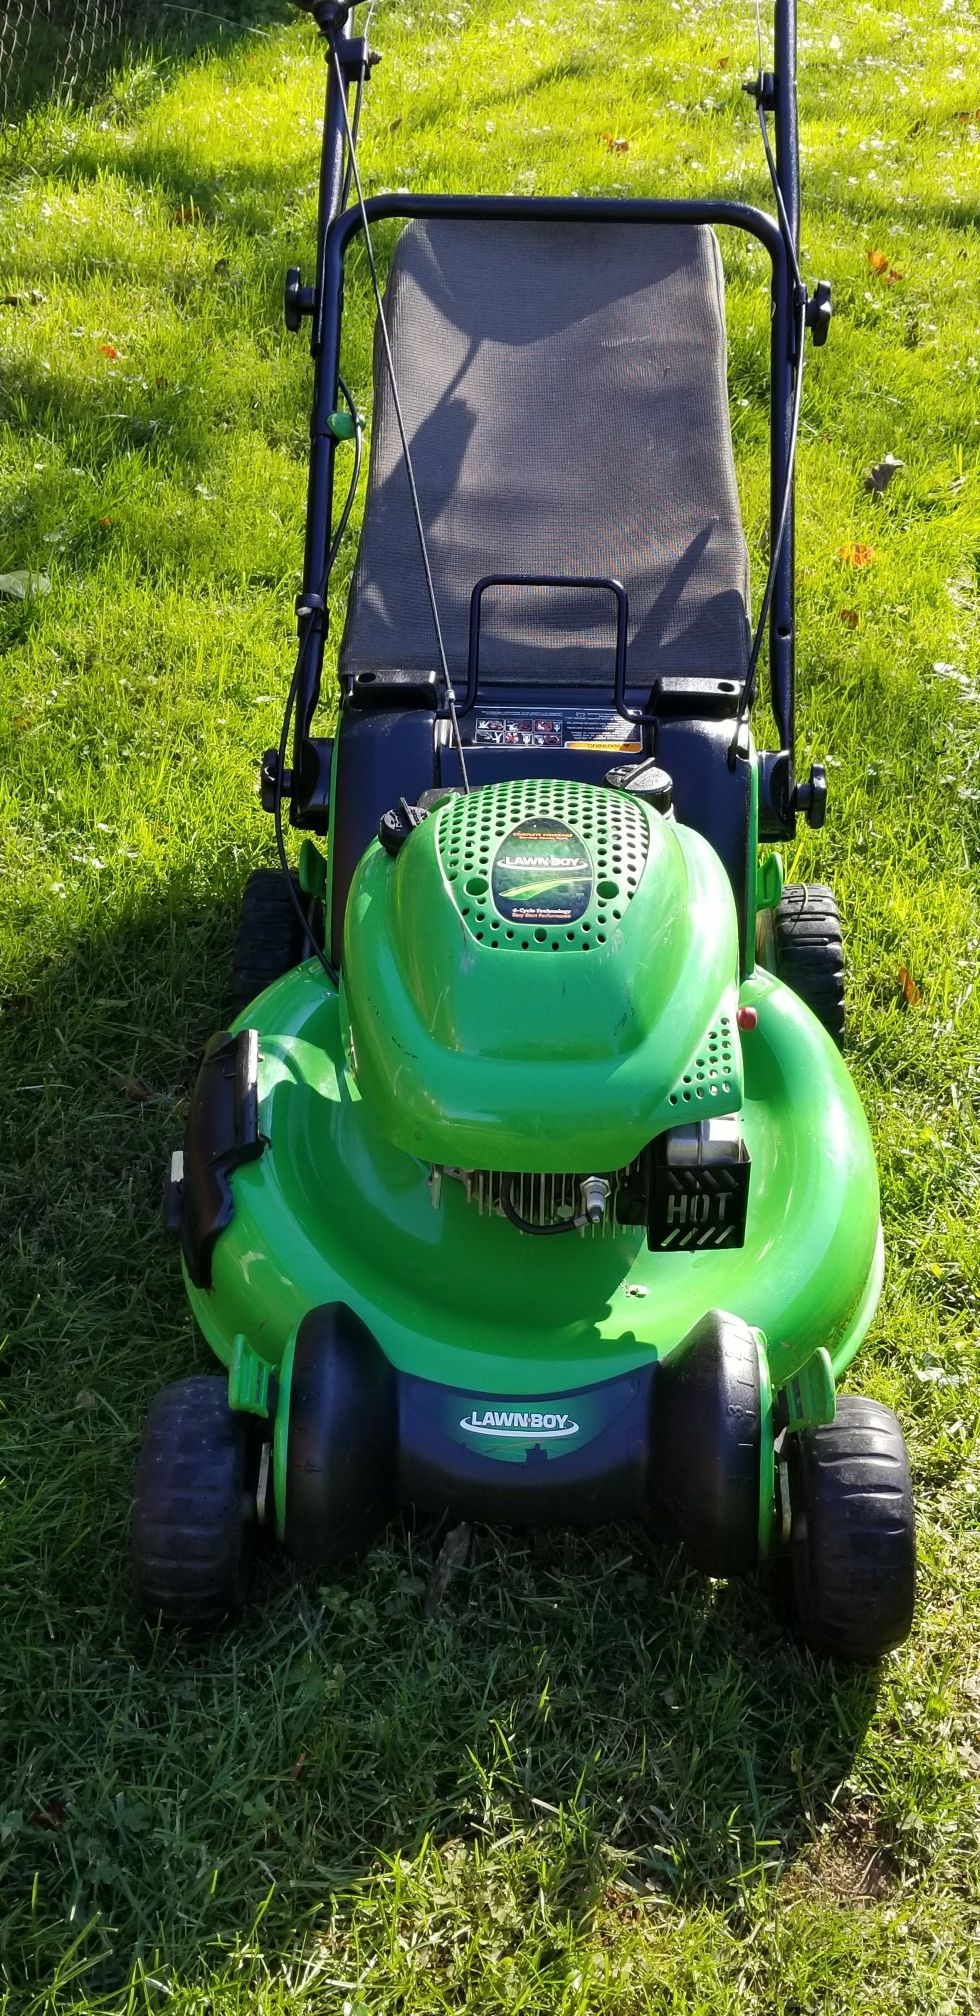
[(590, 1782)]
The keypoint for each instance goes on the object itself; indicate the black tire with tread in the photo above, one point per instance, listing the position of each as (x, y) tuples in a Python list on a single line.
[(270, 939), (852, 1537), (194, 1509), (801, 941), (707, 1441)]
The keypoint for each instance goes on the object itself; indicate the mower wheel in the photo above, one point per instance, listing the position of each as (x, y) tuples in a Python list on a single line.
[(270, 939), (800, 941), (342, 1440), (707, 1444), (194, 1510), (852, 1532)]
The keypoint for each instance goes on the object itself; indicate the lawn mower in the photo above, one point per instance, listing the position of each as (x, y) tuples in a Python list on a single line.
[(528, 1182)]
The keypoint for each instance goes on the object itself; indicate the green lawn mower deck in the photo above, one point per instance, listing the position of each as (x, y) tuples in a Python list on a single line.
[(529, 1182)]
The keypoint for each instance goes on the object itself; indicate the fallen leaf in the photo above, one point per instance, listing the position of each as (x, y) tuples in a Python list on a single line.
[(54, 1814), (131, 1088), (878, 262), (857, 555), (85, 1400), (910, 988), (850, 618), (295, 1769), (108, 350), (878, 478), (452, 1555), (723, 62), (614, 145), (893, 275), (22, 583), (186, 213), (106, 521)]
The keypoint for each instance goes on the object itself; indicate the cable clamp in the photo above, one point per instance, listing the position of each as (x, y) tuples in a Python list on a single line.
[(762, 89)]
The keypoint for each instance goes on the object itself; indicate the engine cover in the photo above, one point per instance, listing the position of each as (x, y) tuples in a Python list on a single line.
[(543, 977)]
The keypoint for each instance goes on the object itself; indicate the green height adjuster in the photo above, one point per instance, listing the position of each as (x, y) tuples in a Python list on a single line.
[(769, 882), (811, 1395), (312, 870), (249, 1379)]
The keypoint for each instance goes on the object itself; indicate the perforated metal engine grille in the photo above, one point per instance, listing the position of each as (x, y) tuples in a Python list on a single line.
[(714, 1073), (611, 825)]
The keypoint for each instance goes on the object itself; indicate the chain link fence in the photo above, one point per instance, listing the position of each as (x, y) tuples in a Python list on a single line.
[(54, 50)]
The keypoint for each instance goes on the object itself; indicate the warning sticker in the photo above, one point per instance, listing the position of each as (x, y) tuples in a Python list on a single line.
[(542, 874), (566, 728)]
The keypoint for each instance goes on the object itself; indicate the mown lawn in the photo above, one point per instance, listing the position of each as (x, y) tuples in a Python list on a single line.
[(590, 1782)]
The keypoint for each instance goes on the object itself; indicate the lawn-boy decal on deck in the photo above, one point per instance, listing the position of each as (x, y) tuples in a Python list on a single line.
[(542, 874), (522, 1424), (520, 1428)]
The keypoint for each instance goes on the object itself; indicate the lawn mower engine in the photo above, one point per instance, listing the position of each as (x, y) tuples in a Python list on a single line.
[(540, 989)]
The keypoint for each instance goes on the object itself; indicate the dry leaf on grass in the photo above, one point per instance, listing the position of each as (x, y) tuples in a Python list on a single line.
[(880, 263), (910, 988), (452, 1555), (132, 1087), (857, 555), (54, 1814)]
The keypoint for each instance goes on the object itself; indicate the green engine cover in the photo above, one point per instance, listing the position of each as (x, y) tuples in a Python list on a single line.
[(544, 977)]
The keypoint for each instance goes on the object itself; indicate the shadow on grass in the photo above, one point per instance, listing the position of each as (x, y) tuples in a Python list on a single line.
[(582, 1719)]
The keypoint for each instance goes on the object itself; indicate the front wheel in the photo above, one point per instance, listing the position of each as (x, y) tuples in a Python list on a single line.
[(708, 1445), (194, 1510), (852, 1532)]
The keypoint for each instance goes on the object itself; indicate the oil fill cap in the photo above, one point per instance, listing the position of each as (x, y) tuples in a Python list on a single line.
[(643, 780)]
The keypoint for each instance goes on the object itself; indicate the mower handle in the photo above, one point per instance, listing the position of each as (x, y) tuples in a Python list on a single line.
[(605, 582)]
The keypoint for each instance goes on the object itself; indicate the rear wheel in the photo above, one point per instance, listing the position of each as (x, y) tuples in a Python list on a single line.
[(852, 1532), (271, 938), (194, 1513), (800, 941)]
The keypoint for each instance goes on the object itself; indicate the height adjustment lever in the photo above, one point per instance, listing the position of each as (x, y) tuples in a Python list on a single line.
[(297, 300), (810, 796), (819, 310)]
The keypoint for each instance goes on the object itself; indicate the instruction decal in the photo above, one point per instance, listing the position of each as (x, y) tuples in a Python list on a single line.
[(566, 728), (542, 874)]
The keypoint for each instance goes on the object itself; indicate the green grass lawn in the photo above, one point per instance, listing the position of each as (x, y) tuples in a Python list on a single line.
[(590, 1782)]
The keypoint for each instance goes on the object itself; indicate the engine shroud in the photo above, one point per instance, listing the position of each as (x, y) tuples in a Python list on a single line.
[(543, 977)]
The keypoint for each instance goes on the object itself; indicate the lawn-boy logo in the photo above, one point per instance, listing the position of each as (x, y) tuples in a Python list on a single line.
[(541, 874), (520, 1424)]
